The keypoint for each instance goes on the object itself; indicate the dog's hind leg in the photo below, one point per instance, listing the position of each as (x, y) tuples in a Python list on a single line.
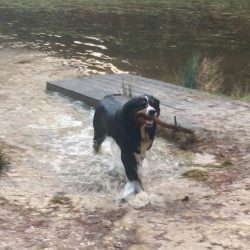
[(97, 141), (99, 137), (99, 131)]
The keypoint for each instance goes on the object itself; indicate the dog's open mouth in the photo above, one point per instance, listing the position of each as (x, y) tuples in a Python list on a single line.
[(144, 119)]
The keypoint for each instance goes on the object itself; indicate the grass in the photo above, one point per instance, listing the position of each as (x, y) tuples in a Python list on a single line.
[(223, 164), (61, 198), (209, 76), (200, 73), (245, 98), (226, 163), (197, 174), (187, 76), (3, 161), (217, 166), (200, 172), (242, 93), (206, 74)]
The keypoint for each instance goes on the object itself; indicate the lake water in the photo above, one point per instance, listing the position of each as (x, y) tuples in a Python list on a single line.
[(49, 137), (156, 39)]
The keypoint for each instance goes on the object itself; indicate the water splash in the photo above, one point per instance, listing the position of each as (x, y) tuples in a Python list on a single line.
[(54, 135)]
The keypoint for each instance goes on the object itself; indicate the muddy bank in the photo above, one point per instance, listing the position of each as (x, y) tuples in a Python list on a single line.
[(45, 206)]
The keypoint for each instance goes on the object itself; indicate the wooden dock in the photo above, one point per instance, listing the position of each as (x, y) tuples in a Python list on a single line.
[(193, 109), (91, 90)]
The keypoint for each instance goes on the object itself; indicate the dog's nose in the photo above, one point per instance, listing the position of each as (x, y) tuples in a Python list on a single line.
[(151, 113)]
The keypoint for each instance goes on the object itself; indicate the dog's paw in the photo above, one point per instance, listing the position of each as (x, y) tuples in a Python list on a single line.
[(131, 188), (96, 146), (140, 200)]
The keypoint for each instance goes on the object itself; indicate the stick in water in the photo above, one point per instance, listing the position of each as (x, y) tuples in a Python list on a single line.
[(175, 127)]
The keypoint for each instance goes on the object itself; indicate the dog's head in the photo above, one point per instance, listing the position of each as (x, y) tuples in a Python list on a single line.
[(142, 110)]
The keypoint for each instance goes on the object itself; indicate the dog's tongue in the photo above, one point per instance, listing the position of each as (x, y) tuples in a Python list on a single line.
[(149, 122)]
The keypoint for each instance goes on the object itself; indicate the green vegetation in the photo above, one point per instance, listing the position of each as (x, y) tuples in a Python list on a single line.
[(174, 41), (214, 166), (61, 199), (207, 75), (197, 174), (241, 92), (226, 163), (200, 172), (245, 98), (187, 76), (3, 161), (223, 164)]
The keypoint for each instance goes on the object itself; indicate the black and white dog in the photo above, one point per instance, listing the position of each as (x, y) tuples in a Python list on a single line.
[(131, 124)]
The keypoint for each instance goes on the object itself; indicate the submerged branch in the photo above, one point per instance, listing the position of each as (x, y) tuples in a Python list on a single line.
[(174, 127)]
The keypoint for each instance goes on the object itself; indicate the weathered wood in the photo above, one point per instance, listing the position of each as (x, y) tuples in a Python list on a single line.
[(79, 90), (91, 90)]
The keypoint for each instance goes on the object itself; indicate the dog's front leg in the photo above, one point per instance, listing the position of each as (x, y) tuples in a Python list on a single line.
[(130, 163)]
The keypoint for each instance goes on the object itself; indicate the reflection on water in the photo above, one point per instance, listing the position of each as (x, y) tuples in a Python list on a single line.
[(152, 38)]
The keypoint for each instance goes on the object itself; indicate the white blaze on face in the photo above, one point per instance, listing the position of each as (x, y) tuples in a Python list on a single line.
[(149, 107)]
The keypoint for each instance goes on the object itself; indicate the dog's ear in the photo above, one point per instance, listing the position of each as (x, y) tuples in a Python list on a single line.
[(157, 102), (127, 110), (133, 105), (156, 105)]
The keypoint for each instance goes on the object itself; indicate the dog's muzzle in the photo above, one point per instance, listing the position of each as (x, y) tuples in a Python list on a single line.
[(151, 113), (146, 116)]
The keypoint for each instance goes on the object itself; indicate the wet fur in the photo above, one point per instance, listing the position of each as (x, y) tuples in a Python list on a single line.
[(116, 117)]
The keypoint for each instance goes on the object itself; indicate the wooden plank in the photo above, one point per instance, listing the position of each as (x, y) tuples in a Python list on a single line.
[(167, 97), (193, 109), (173, 96), (91, 90), (100, 86), (114, 82), (79, 91)]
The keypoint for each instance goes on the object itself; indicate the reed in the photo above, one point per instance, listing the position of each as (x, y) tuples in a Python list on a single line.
[(241, 92), (204, 74), (209, 76)]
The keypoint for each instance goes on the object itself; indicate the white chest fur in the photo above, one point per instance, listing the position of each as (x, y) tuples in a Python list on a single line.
[(144, 146)]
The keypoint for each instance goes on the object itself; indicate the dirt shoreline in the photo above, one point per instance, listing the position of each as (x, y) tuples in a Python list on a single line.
[(186, 214)]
